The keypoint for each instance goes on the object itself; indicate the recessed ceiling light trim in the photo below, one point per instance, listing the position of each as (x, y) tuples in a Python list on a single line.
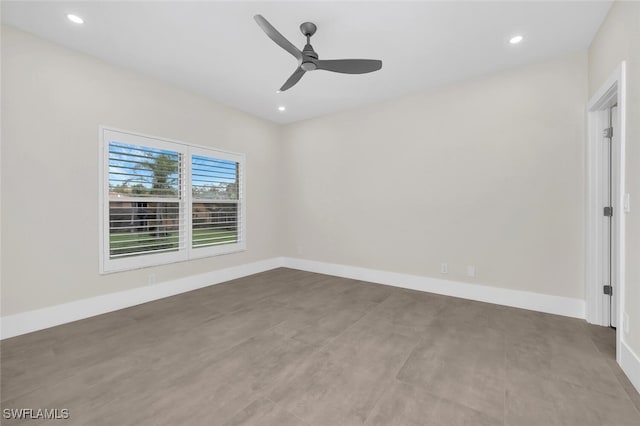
[(75, 18), (281, 108), (516, 39)]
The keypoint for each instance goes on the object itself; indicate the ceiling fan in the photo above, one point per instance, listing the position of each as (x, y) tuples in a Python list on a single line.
[(308, 58)]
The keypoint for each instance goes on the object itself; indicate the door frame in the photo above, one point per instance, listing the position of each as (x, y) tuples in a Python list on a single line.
[(613, 91)]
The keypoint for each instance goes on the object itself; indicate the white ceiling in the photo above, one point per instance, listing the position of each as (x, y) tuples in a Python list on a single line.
[(217, 50)]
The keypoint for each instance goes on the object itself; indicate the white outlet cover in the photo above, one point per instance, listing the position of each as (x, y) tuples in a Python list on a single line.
[(626, 323), (627, 203), (471, 271), (444, 268)]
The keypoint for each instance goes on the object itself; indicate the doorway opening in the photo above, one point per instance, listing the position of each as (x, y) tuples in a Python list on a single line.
[(605, 205)]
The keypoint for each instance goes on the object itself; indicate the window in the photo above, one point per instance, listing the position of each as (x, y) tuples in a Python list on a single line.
[(165, 201)]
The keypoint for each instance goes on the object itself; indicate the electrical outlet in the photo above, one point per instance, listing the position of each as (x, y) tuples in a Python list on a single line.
[(627, 203), (444, 268), (151, 279), (471, 271), (625, 325)]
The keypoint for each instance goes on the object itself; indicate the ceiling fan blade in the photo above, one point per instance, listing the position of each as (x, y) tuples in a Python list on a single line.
[(349, 66), (295, 77), (277, 37)]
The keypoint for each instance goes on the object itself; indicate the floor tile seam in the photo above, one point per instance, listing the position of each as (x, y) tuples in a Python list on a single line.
[(244, 340), (597, 348), (544, 353), (57, 381), (359, 302), (329, 339), (563, 353), (556, 338), (622, 385), (393, 379), (567, 382), (471, 365), (322, 348), (353, 324), (387, 390), (267, 397), (475, 410), (290, 303), (453, 401), (257, 301), (254, 396), (35, 388), (422, 339), (314, 352)]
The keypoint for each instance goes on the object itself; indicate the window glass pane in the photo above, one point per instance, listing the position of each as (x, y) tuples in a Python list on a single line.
[(214, 224), (136, 171), (140, 227), (214, 179)]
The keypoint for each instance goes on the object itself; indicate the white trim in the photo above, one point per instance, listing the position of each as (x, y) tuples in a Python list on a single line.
[(26, 322), (611, 92), (102, 127), (630, 364), (558, 305)]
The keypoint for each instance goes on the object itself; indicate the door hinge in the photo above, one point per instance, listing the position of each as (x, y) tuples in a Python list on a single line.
[(608, 211), (608, 132), (608, 290)]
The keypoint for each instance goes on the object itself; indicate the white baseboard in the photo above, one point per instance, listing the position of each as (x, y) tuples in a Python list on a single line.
[(26, 322), (520, 299), (630, 364)]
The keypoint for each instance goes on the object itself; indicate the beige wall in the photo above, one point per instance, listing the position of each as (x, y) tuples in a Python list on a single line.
[(619, 39), (488, 173), (53, 101)]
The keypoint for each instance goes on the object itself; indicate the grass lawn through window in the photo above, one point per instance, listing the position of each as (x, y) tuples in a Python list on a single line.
[(135, 243)]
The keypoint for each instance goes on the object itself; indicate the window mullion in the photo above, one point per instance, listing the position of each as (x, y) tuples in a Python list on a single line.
[(187, 199)]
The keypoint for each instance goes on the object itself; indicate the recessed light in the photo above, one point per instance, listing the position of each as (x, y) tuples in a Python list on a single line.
[(75, 18), (281, 108), (278, 91), (516, 39)]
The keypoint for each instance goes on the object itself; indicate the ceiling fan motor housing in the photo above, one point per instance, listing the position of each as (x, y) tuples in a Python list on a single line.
[(308, 56), (308, 65)]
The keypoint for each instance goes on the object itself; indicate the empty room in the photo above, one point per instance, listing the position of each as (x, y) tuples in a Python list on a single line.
[(320, 213)]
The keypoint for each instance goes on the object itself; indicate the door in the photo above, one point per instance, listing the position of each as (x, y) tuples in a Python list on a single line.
[(609, 213), (617, 211), (604, 245)]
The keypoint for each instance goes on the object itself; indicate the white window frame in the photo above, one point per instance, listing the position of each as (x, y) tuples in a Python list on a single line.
[(185, 251)]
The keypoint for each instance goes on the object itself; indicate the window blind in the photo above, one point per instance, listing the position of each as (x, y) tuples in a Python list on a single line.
[(215, 216), (144, 200)]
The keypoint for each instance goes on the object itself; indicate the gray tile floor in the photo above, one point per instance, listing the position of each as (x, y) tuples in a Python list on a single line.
[(287, 347)]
